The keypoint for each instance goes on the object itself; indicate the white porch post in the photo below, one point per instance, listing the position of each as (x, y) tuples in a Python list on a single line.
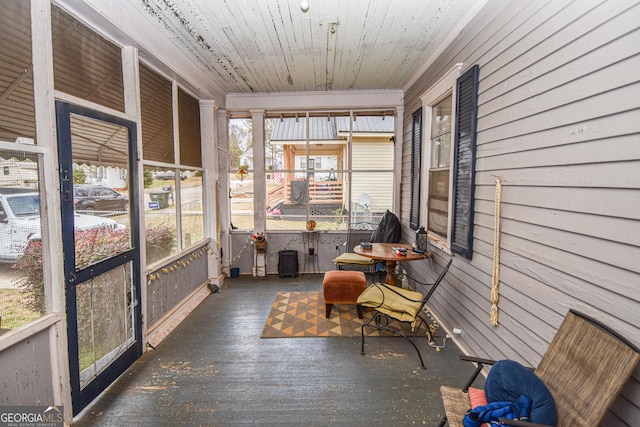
[(259, 187), (209, 162), (52, 260), (224, 208), (397, 160)]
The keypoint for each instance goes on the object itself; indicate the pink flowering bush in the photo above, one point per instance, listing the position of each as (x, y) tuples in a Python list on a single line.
[(30, 264), (99, 243), (91, 246)]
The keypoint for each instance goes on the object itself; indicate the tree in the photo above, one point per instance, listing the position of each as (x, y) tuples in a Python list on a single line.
[(79, 176), (148, 178), (240, 139), (275, 151)]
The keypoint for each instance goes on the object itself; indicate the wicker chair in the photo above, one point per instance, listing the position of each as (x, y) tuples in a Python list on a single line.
[(585, 367)]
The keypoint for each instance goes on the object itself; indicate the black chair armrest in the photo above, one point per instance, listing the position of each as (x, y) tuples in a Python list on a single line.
[(482, 361), (516, 423), (477, 360)]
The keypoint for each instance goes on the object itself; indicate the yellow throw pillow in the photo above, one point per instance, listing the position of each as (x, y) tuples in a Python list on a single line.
[(383, 298), (351, 258)]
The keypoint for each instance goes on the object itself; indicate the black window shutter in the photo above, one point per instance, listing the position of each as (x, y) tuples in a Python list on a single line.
[(464, 162), (416, 163)]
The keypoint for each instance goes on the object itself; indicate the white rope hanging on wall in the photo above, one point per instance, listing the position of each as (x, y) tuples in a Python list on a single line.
[(495, 277)]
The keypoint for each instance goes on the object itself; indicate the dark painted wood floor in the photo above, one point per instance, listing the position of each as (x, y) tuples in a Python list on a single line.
[(215, 370)]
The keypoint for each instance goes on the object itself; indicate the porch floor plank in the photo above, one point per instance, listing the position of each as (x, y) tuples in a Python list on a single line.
[(215, 370)]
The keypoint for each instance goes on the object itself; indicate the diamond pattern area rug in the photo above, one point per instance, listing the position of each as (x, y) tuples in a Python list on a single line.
[(302, 314)]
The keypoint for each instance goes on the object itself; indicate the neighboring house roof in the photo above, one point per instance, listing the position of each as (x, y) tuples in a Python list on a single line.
[(367, 124), (321, 129)]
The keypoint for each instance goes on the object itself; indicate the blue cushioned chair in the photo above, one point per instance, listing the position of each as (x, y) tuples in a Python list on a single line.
[(585, 367)]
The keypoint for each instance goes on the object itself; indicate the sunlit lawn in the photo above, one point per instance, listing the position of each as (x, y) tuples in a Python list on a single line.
[(14, 310), (160, 183)]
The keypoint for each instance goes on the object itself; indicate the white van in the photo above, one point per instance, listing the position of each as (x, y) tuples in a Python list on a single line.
[(20, 222)]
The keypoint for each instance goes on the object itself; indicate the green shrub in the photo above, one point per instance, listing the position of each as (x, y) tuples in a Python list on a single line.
[(147, 178), (160, 242)]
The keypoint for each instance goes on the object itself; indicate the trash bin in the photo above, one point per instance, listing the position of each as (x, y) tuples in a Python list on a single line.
[(161, 197)]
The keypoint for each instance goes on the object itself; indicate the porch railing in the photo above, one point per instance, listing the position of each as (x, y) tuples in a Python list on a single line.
[(325, 192), (320, 192)]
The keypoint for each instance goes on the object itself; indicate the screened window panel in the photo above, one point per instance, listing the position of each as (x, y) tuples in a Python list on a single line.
[(23, 298), (160, 215), (241, 185), (105, 320), (84, 64), (241, 192), (17, 117), (464, 162), (189, 127), (192, 213), (328, 167), (157, 116), (416, 160)]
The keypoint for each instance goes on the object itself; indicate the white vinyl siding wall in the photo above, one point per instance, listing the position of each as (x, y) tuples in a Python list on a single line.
[(372, 156), (559, 102)]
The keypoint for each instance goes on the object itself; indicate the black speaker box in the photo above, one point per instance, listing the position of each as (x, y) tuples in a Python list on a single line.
[(288, 263)]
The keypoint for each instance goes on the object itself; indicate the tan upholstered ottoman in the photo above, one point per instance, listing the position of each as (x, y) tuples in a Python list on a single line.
[(343, 287)]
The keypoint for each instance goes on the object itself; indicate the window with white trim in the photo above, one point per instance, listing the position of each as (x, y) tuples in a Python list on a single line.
[(450, 108), (439, 168)]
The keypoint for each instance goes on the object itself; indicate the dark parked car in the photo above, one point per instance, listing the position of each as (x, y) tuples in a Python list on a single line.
[(164, 175), (98, 198), (170, 175)]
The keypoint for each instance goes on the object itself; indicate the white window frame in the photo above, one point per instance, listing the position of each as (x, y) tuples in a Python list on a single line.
[(444, 87)]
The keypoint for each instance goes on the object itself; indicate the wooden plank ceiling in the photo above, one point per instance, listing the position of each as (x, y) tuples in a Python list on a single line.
[(273, 46)]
